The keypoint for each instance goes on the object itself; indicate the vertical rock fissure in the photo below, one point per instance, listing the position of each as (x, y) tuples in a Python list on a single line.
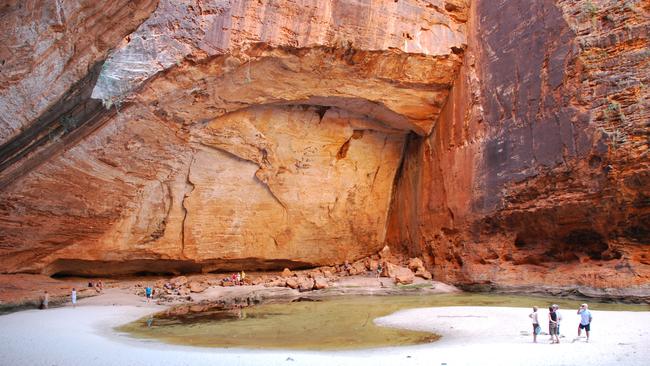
[(188, 183), (397, 179)]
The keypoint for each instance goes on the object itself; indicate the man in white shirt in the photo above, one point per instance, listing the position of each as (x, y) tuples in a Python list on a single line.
[(585, 320)]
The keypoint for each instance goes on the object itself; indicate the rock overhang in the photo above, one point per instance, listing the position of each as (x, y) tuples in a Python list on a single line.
[(409, 49), (325, 116)]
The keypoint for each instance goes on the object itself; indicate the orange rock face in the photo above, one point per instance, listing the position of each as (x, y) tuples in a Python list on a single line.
[(504, 143), (232, 135), (537, 173)]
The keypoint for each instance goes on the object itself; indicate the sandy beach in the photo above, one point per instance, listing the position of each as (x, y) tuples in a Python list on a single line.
[(470, 336)]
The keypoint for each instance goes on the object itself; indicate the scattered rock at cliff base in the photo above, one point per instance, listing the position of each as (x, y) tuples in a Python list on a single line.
[(320, 283), (286, 273), (401, 275), (196, 286), (276, 282), (404, 276), (305, 284), (178, 281), (423, 273), (357, 268), (329, 275), (388, 270), (292, 282), (415, 264), (373, 265)]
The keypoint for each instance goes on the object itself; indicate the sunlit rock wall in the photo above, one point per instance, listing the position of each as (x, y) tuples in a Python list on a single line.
[(230, 135)]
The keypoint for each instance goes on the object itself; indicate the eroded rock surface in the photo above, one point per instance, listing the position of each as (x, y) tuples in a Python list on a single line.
[(273, 134), (241, 134), (47, 46), (537, 172)]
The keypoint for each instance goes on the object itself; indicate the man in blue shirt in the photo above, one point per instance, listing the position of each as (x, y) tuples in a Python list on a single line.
[(148, 293), (585, 320)]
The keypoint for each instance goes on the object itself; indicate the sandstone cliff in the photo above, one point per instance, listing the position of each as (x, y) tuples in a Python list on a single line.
[(537, 173), (504, 142), (241, 134)]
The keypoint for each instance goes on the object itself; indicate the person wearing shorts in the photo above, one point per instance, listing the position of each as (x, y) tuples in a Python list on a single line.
[(552, 325), (148, 293), (585, 320), (559, 317)]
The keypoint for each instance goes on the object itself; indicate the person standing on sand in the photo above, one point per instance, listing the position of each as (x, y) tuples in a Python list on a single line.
[(535, 320), (552, 325), (73, 297), (45, 300), (585, 320), (556, 307)]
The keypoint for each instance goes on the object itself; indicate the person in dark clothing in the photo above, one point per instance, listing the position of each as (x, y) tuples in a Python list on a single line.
[(552, 325)]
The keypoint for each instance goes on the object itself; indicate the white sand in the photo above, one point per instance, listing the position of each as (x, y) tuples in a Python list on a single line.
[(471, 336)]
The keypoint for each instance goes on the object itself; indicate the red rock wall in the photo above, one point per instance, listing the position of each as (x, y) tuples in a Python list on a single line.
[(265, 134), (537, 173)]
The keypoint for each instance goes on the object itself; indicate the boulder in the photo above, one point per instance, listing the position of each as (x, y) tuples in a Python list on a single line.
[(315, 273), (403, 275), (423, 273), (196, 286), (320, 283), (292, 282), (388, 270), (305, 284), (178, 281), (400, 274), (357, 268), (372, 265), (286, 273), (415, 264), (329, 275)]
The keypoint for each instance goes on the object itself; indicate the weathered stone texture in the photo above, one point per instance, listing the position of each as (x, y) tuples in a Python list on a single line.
[(537, 171), (47, 46), (272, 134), (241, 135)]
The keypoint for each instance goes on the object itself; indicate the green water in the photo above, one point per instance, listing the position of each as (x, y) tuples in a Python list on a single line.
[(333, 324)]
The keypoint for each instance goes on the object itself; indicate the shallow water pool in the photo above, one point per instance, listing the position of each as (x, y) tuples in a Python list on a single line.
[(333, 324)]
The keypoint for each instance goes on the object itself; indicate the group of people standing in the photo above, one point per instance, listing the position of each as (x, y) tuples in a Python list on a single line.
[(238, 278), (554, 320), (45, 299)]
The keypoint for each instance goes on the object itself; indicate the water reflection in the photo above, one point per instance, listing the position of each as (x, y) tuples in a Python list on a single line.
[(338, 323)]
